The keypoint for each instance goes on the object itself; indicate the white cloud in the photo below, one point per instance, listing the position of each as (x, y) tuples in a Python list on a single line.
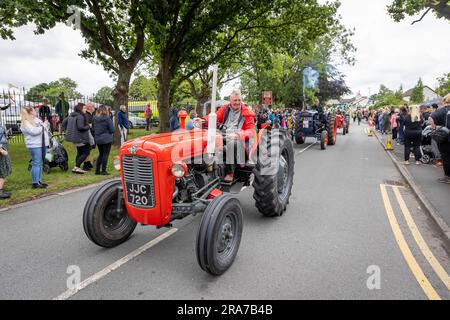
[(33, 59), (392, 53)]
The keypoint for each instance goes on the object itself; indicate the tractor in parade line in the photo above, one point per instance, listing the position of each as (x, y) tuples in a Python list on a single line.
[(342, 113), (316, 123), (170, 176)]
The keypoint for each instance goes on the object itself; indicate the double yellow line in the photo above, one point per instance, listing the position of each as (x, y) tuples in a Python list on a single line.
[(406, 251)]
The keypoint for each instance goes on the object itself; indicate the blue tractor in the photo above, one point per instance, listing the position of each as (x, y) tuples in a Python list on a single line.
[(312, 123)]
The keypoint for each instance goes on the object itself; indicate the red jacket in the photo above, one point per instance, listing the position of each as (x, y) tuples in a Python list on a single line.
[(247, 121)]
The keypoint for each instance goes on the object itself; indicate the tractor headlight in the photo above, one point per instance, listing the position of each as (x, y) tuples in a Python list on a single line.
[(179, 169), (116, 163)]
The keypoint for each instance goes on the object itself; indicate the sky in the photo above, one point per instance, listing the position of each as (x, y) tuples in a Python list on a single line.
[(388, 53)]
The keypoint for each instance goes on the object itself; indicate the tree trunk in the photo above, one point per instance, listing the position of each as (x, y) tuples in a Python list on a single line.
[(164, 95), (120, 95)]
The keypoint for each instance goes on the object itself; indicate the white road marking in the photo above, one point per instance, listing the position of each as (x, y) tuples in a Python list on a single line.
[(303, 150), (94, 278)]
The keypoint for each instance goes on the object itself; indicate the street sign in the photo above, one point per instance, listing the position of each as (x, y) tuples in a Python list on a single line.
[(267, 97)]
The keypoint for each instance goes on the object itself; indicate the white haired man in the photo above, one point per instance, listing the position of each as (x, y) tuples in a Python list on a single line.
[(238, 123)]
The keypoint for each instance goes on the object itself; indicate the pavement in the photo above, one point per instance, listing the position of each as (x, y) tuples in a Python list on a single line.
[(353, 230), (425, 177)]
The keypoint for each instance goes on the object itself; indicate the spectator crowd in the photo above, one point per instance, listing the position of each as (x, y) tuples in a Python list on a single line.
[(421, 130)]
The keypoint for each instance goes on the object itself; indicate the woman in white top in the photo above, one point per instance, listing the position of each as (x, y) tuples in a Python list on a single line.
[(36, 139)]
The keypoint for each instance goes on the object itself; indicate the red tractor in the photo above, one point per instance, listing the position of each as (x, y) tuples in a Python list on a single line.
[(343, 121), (166, 177)]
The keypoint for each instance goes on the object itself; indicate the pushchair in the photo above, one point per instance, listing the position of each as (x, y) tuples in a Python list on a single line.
[(426, 149), (56, 155)]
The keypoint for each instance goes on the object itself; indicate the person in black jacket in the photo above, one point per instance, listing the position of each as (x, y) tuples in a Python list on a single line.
[(77, 132), (89, 115), (413, 134), (401, 123), (441, 118), (103, 128), (45, 113)]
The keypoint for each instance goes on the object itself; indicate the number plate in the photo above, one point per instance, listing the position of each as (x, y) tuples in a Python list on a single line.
[(305, 123), (139, 194)]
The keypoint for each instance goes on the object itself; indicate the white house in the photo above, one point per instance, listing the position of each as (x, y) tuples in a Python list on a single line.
[(428, 94), (358, 101)]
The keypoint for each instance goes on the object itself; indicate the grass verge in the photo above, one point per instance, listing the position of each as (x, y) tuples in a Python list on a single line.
[(19, 183)]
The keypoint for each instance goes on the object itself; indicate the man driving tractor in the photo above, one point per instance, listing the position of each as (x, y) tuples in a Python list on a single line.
[(237, 123)]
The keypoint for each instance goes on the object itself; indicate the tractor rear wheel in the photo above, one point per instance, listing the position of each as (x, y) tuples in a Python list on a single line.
[(332, 129), (220, 234), (274, 174), (103, 223)]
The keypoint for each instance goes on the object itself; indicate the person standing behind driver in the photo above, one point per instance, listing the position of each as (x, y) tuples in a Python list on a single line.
[(413, 134), (77, 131), (148, 117), (36, 139), (89, 115), (123, 124), (103, 128)]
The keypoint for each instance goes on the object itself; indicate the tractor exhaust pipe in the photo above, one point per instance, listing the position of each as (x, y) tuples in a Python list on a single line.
[(212, 122)]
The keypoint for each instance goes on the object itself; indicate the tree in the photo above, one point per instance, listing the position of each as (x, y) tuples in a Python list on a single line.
[(37, 92), (386, 97), (66, 85), (443, 85), (417, 93), (104, 96), (189, 36), (277, 63), (399, 9), (53, 89), (144, 88), (114, 31), (332, 85)]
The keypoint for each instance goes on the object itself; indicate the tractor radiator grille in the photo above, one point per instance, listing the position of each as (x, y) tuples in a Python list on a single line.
[(139, 170)]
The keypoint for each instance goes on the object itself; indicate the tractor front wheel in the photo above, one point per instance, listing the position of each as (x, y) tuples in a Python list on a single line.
[(220, 234), (324, 140), (105, 221)]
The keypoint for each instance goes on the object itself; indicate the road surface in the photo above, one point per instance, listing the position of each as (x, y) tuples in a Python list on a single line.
[(345, 235)]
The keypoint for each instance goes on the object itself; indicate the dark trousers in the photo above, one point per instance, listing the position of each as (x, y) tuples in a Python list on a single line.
[(104, 150), (412, 141), (394, 133), (149, 124), (444, 148), (82, 154)]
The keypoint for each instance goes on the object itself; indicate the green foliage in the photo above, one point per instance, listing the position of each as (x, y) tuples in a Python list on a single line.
[(387, 97), (143, 88), (443, 85), (417, 93), (278, 59), (399, 9), (37, 92), (104, 96), (53, 89)]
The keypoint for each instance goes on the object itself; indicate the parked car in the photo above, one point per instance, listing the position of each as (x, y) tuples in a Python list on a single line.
[(10, 117), (136, 122)]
